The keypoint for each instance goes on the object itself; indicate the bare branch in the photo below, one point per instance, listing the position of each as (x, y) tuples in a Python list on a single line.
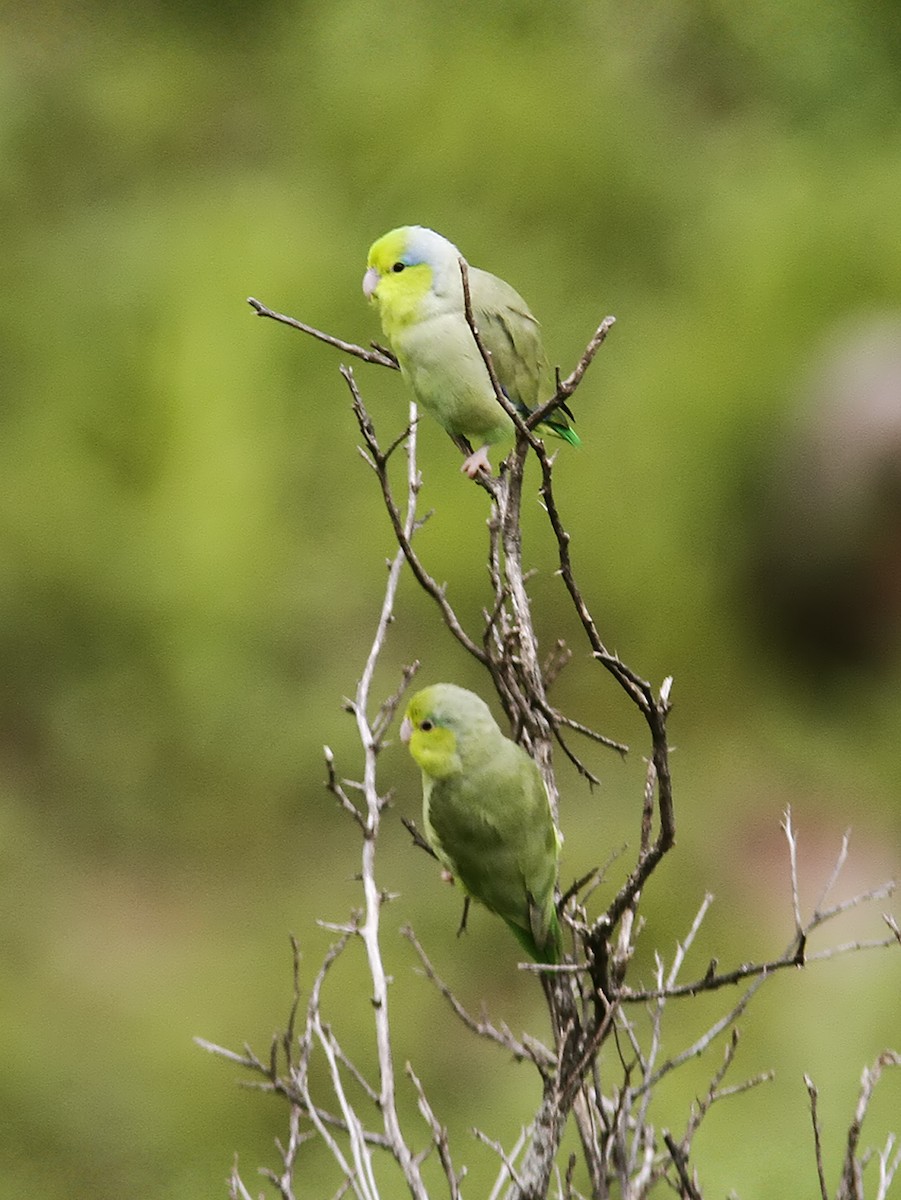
[(568, 386), (418, 840), (793, 864), (388, 708), (532, 1050), (851, 1184), (381, 357), (236, 1188), (796, 953), (509, 1170), (504, 1175), (336, 787), (558, 718), (882, 892), (439, 1137), (817, 1137), (369, 929), (700, 1045), (378, 460), (283, 1180), (687, 1186)]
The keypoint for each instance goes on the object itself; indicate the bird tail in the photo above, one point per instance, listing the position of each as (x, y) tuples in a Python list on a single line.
[(543, 941), (552, 948), (555, 424), (559, 427)]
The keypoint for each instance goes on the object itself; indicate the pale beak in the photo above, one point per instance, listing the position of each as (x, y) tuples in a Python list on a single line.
[(406, 730), (371, 281)]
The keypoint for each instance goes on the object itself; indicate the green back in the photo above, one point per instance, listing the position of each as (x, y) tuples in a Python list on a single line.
[(492, 824)]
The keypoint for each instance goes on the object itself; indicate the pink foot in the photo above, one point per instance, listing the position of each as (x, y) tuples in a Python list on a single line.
[(477, 461)]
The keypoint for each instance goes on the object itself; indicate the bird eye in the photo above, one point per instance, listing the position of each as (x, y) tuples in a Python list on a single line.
[(426, 726), (398, 266)]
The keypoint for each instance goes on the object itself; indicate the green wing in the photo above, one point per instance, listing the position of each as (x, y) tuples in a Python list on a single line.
[(492, 824), (513, 336)]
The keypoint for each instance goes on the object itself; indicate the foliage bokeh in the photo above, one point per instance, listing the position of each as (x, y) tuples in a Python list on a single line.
[(193, 550)]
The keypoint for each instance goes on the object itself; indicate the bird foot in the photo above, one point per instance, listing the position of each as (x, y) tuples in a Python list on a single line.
[(462, 928), (477, 461)]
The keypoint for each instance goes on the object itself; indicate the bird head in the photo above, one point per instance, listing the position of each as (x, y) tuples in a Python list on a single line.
[(442, 725), (406, 265)]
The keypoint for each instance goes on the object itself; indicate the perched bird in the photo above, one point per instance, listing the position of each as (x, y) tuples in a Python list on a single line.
[(486, 813), (413, 276)]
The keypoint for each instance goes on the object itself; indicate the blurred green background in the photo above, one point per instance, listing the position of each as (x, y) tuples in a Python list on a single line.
[(193, 551)]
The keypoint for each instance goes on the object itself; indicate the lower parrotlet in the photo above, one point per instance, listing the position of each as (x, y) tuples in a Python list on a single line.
[(486, 813)]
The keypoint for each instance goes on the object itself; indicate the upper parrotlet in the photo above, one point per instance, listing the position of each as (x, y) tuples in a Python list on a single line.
[(413, 276), (486, 813)]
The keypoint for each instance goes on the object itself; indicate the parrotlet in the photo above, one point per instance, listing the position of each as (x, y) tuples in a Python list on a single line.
[(413, 276), (486, 813)]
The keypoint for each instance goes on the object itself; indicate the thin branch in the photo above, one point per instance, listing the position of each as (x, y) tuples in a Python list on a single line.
[(363, 1177), (439, 1136), (378, 460), (503, 1174), (687, 1187), (236, 1188), (712, 982), (358, 1179), (369, 929), (531, 1050), (380, 357), (836, 871), (685, 945), (387, 711), (796, 953), (284, 1179), (336, 787), (882, 892), (558, 718), (888, 1167), (793, 866), (817, 1137), (508, 1168), (418, 840), (851, 1184), (568, 386), (700, 1110), (708, 983), (700, 1045)]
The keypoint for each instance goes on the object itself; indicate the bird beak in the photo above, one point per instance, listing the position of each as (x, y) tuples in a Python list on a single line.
[(371, 281), (406, 730)]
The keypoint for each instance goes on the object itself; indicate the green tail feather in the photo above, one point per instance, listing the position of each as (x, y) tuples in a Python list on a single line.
[(560, 430), (550, 950), (555, 424)]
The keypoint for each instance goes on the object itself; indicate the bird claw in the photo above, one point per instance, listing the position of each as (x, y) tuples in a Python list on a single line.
[(464, 916), (477, 461)]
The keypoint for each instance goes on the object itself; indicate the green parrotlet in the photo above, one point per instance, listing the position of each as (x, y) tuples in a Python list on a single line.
[(413, 277), (486, 813)]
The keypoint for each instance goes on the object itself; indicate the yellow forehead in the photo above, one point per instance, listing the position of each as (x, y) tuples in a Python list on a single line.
[(388, 250), (418, 708)]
